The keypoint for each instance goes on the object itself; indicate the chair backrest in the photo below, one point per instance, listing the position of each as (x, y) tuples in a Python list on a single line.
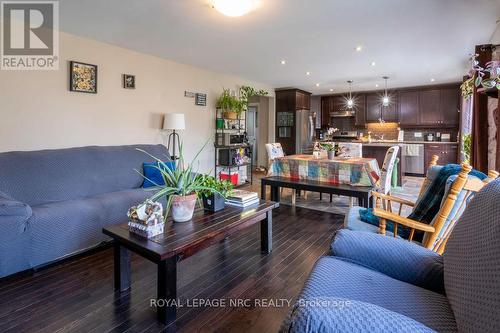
[(350, 149), (472, 264), (274, 150), (388, 166)]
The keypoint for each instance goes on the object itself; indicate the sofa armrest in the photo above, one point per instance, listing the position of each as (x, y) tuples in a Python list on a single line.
[(13, 214), (328, 314), (397, 258)]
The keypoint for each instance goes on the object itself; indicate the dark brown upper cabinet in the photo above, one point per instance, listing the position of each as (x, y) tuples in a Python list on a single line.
[(373, 107), (408, 108), (390, 112), (430, 104), (360, 106), (302, 100), (327, 103), (450, 106)]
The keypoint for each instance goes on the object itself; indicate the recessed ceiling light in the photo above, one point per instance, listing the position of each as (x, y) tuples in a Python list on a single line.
[(376, 86), (308, 73), (283, 62), (432, 80), (233, 8), (331, 89), (373, 63), (317, 84), (359, 48)]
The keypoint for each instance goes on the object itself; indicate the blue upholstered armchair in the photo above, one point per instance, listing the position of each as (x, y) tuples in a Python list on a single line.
[(373, 283)]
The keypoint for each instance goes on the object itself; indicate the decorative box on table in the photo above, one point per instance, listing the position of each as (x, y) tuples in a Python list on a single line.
[(146, 219)]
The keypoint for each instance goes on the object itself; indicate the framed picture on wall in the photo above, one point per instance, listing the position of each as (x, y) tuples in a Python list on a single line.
[(128, 81), (83, 77)]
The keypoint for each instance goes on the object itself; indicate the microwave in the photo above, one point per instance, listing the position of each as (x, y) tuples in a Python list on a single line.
[(230, 139)]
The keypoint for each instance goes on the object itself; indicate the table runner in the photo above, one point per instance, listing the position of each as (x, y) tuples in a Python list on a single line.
[(352, 171)]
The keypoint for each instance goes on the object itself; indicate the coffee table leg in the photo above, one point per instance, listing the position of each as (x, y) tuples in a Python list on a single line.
[(263, 191), (266, 233), (121, 267), (167, 290)]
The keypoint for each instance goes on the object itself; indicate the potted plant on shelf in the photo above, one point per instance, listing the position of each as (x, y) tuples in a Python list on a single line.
[(181, 187), (215, 198), (228, 104)]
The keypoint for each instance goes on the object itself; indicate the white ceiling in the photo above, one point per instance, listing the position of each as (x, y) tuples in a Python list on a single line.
[(410, 41)]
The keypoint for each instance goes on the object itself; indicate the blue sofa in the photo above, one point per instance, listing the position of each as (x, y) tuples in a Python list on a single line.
[(374, 283), (54, 203)]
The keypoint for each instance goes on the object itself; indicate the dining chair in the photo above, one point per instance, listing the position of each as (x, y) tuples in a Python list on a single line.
[(274, 151), (387, 168)]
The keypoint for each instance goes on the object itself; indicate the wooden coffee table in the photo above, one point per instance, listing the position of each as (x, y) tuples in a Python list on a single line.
[(182, 240)]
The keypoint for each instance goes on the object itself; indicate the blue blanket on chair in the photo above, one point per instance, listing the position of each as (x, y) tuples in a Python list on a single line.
[(428, 207)]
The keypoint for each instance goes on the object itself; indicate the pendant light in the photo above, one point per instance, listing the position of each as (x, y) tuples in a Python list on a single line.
[(350, 101), (385, 99)]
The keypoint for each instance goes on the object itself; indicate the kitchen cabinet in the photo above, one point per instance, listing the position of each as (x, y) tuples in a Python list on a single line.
[(302, 100), (373, 107), (360, 105), (450, 105), (390, 112), (429, 107), (327, 103), (408, 108), (287, 102), (448, 153)]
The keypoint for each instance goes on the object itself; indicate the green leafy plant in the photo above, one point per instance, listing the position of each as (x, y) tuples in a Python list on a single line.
[(181, 181), (245, 93), (327, 146), (487, 77), (467, 88), (467, 147), (222, 187), (227, 102)]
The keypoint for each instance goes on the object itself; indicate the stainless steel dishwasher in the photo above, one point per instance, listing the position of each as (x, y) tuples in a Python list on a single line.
[(414, 158)]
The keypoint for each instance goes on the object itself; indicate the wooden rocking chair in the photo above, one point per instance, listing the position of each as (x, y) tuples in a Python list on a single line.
[(384, 208)]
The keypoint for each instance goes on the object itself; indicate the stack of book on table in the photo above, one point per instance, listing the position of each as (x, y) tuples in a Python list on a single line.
[(242, 198)]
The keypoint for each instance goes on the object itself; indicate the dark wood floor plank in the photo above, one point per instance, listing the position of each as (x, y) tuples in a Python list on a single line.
[(78, 296)]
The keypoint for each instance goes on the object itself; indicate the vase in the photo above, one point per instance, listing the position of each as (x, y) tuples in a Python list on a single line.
[(183, 207), (213, 202), (331, 154)]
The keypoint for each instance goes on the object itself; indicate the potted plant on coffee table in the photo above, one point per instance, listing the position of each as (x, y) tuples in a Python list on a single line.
[(181, 187), (330, 149), (215, 198)]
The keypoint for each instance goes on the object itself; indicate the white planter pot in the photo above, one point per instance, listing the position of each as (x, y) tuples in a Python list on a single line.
[(183, 207)]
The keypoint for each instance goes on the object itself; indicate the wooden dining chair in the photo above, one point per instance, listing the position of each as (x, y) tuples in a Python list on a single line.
[(438, 231)]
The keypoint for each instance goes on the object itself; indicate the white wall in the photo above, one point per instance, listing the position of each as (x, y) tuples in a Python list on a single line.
[(37, 110)]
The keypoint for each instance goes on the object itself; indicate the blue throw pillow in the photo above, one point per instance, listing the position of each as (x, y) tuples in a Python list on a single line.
[(152, 175)]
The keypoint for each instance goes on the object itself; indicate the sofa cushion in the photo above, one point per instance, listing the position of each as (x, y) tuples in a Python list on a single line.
[(333, 277), (47, 176), (62, 228), (472, 263)]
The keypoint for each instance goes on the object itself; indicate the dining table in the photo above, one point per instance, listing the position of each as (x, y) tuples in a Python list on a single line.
[(355, 171)]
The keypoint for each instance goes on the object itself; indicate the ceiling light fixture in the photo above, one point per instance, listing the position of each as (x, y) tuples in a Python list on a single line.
[(373, 63), (283, 62), (234, 8), (331, 89), (317, 84), (376, 85), (308, 73), (385, 99), (432, 80), (350, 101), (359, 48)]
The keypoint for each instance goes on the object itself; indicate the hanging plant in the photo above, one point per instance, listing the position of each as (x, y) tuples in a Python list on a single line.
[(487, 77)]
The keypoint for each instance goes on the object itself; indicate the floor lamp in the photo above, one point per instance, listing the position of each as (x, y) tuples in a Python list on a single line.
[(174, 122)]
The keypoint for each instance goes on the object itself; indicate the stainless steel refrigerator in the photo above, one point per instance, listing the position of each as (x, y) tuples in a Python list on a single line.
[(305, 132)]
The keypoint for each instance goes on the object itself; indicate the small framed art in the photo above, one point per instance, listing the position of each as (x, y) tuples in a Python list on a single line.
[(128, 81)]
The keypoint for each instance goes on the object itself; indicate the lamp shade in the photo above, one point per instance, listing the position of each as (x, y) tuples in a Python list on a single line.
[(174, 121)]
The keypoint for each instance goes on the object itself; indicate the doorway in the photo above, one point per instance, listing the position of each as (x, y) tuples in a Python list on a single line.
[(252, 130)]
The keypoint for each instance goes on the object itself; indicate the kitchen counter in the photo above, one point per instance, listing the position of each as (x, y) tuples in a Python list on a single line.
[(390, 143)]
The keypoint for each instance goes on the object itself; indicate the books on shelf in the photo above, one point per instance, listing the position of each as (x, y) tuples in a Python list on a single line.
[(242, 198)]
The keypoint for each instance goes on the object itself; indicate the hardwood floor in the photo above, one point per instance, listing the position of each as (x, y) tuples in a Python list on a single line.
[(77, 296)]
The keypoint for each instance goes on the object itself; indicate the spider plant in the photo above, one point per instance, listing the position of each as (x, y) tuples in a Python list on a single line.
[(182, 181)]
